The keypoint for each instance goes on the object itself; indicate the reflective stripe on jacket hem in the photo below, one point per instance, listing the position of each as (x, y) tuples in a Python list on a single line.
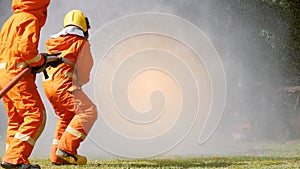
[(71, 75), (55, 141)]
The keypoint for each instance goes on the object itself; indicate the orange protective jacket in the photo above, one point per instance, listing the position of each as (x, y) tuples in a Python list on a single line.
[(76, 50), (19, 40), (76, 111), (20, 35)]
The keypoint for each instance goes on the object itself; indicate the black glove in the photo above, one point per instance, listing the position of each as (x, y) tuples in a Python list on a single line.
[(38, 69), (55, 63)]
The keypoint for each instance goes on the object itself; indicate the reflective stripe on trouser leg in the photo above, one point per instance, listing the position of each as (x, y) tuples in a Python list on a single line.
[(63, 106), (65, 116), (71, 139), (30, 114), (86, 115), (76, 133), (53, 157), (25, 138), (20, 147), (13, 116)]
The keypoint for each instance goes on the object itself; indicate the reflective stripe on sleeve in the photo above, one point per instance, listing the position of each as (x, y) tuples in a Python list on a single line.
[(25, 138), (22, 65), (76, 133), (37, 58), (3, 65), (69, 62)]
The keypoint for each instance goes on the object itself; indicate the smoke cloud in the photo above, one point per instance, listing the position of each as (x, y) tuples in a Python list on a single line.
[(170, 77)]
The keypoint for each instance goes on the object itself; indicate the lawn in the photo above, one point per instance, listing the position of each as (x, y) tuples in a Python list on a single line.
[(260, 155), (205, 162)]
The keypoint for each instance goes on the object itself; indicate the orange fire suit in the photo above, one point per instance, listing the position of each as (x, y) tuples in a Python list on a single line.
[(19, 39), (75, 110)]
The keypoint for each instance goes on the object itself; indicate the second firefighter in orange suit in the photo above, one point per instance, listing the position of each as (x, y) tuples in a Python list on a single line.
[(76, 112), (19, 40)]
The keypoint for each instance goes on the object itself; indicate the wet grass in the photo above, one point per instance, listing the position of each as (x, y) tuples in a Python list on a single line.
[(259, 155)]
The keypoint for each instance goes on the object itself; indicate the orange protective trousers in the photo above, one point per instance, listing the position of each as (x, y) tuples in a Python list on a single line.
[(77, 115), (26, 118)]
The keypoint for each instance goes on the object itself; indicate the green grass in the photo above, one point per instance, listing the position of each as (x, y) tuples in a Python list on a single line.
[(204, 162), (258, 155)]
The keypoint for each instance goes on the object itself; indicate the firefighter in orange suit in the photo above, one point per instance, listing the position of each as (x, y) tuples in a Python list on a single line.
[(19, 38), (76, 112)]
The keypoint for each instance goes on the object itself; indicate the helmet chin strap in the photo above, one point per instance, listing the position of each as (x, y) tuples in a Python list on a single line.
[(87, 23), (86, 33)]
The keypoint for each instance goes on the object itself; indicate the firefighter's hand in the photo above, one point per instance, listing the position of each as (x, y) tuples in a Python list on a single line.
[(55, 63), (38, 69)]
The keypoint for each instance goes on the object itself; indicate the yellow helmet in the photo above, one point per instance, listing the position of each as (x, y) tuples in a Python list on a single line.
[(77, 18)]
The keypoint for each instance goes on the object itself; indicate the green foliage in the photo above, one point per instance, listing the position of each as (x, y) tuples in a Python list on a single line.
[(268, 51), (288, 41), (274, 26)]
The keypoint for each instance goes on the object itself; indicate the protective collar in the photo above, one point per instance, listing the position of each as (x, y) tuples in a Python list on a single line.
[(71, 30)]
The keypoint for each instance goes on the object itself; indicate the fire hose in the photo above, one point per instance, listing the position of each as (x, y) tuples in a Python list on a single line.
[(23, 73)]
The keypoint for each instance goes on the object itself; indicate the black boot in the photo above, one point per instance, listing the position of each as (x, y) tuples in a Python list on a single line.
[(19, 166)]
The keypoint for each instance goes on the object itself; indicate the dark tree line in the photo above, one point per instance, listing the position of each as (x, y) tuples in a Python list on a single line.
[(272, 63), (259, 45)]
